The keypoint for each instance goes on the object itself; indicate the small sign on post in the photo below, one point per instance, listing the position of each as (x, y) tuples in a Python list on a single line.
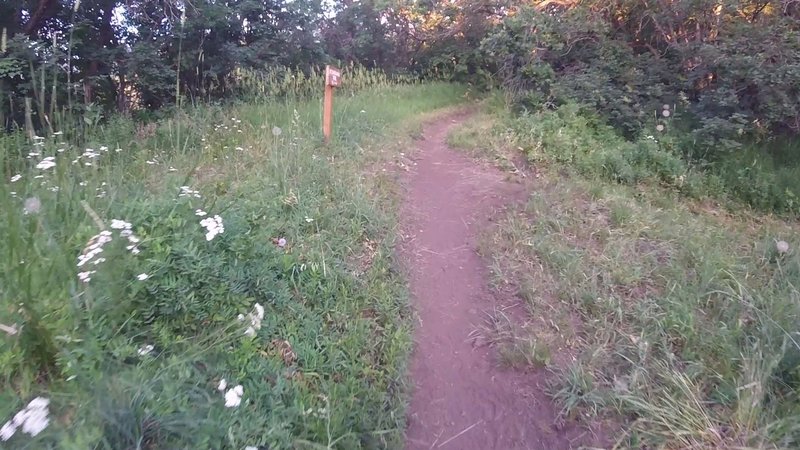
[(333, 77)]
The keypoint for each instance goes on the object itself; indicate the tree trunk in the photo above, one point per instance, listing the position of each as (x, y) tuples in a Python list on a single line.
[(44, 10), (104, 39)]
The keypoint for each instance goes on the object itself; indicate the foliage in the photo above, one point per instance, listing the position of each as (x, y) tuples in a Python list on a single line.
[(730, 67), (671, 318), (133, 356)]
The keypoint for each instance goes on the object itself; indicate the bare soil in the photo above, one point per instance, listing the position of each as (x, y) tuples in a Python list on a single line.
[(461, 398)]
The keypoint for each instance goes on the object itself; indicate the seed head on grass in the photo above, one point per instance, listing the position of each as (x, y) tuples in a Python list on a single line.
[(32, 205)]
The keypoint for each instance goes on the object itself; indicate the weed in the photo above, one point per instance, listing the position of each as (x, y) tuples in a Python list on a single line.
[(140, 245), (686, 315)]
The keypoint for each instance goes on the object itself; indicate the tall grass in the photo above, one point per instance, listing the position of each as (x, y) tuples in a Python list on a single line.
[(764, 176), (676, 318), (133, 357)]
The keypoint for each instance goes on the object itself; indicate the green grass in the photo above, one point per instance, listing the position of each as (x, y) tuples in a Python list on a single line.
[(326, 368), (675, 318)]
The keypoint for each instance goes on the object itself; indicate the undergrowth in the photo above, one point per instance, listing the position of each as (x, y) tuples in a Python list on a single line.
[(683, 315), (144, 264), (764, 176)]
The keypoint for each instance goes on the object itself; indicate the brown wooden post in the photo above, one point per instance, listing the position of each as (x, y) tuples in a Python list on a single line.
[(332, 79)]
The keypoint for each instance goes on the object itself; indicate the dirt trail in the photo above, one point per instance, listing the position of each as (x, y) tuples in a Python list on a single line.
[(461, 399)]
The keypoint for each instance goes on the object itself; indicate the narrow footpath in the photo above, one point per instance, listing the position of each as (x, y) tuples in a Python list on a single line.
[(461, 398)]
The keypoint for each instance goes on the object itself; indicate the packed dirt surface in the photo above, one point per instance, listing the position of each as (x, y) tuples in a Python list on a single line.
[(461, 398)]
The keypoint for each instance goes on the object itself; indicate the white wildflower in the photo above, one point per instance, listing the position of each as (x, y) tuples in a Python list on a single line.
[(94, 247), (47, 163), (665, 107), (16, 178), (90, 153), (282, 242), (86, 276), (276, 131), (255, 317), (145, 350), (199, 212), (186, 191), (233, 397), (151, 162), (660, 127), (120, 224), (665, 113), (7, 431), (32, 419), (309, 219), (142, 276), (782, 246), (172, 169), (213, 226), (222, 385), (58, 133)]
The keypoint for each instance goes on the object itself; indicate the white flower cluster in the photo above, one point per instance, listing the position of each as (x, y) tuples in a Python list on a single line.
[(255, 318), (319, 412), (47, 163), (213, 226), (95, 246), (126, 232), (145, 350), (89, 154), (186, 191), (32, 419), (16, 178), (233, 396)]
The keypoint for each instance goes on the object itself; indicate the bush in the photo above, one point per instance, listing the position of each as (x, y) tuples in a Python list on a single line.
[(573, 135)]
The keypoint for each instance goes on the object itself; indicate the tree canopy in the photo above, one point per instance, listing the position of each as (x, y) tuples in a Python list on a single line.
[(734, 65)]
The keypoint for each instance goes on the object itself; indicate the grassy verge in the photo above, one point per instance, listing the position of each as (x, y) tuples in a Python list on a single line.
[(293, 297), (677, 319)]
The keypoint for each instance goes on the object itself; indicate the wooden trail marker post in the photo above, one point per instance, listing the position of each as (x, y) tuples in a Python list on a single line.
[(333, 78)]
